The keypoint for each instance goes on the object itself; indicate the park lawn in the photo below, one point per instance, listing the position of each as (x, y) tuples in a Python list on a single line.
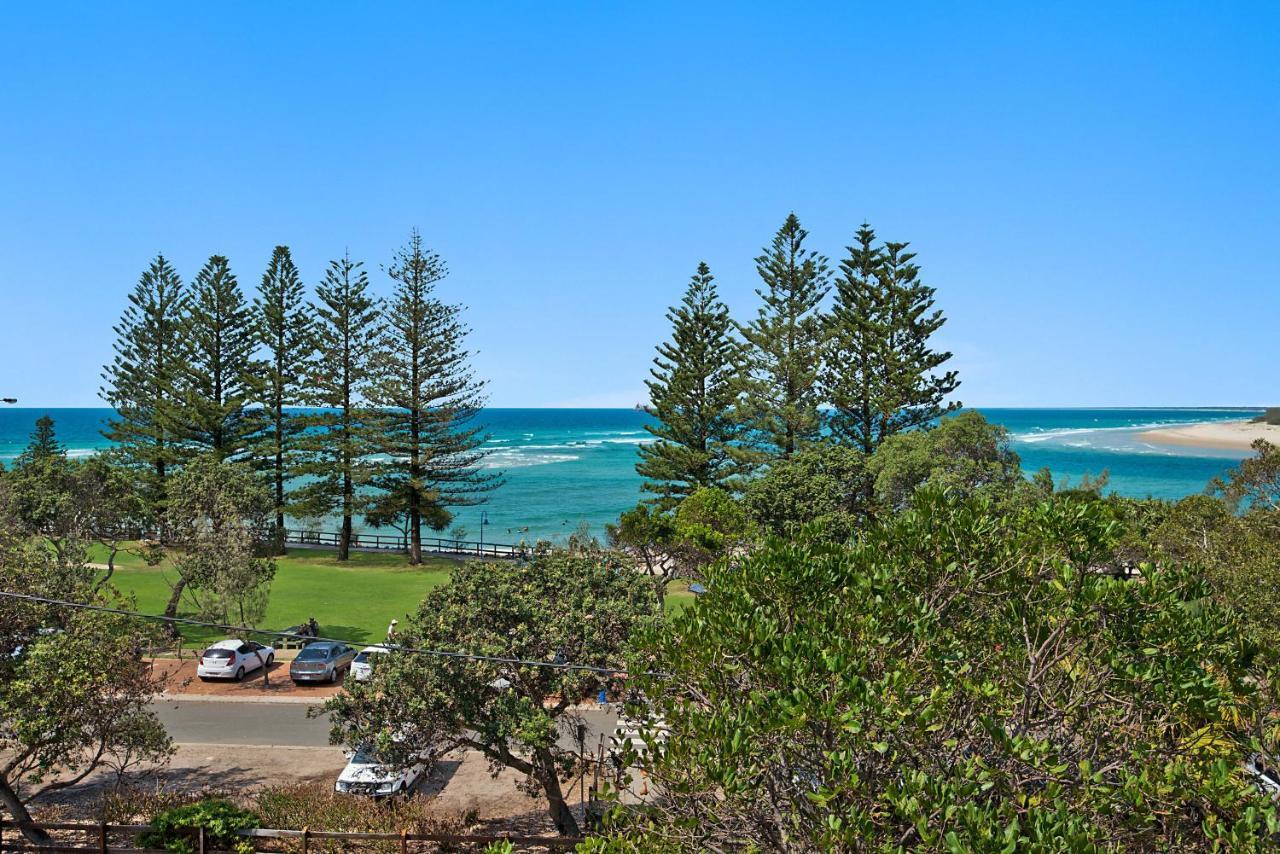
[(353, 601)]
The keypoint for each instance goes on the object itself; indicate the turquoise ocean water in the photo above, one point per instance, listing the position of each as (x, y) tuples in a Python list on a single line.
[(568, 467)]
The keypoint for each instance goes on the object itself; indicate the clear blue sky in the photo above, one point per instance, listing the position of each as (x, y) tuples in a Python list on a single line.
[(1093, 190)]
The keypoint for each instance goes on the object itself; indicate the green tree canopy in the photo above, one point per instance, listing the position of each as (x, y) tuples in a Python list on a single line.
[(284, 328), (74, 693), (429, 396), (341, 435), (141, 383), (560, 607), (959, 679), (784, 344), (823, 488), (963, 453), (693, 392), (221, 377), (220, 516), (881, 376)]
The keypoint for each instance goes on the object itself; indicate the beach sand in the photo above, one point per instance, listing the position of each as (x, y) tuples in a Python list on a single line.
[(1225, 435)]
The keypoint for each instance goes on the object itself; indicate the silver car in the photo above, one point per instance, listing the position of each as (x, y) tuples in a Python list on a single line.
[(322, 661)]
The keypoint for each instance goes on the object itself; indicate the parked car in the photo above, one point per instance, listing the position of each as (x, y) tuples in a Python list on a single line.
[(366, 774), (362, 667), (322, 661), (233, 659)]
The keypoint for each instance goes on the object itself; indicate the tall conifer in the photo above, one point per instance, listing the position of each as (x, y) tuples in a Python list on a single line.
[(337, 441), (285, 330), (221, 376), (141, 382), (693, 393), (785, 344), (880, 375), (430, 396)]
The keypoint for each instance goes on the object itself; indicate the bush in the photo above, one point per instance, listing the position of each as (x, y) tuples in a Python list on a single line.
[(172, 829)]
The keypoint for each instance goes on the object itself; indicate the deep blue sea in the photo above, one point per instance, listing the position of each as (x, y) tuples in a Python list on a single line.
[(567, 467)]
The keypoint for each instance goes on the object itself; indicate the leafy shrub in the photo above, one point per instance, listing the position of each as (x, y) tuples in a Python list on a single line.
[(171, 829)]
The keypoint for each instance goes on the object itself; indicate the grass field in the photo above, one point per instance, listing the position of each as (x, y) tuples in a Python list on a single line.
[(353, 601)]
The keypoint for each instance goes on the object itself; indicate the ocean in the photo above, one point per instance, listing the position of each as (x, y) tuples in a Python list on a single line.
[(568, 468)]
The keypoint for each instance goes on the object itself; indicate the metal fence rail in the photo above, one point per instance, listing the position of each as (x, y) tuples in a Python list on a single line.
[(384, 542)]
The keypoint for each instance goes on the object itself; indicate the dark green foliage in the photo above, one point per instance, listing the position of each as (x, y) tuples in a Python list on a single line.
[(284, 327), (1255, 483), (172, 829), (959, 679), (220, 515), (338, 440), (566, 607), (880, 375), (221, 376), (693, 393), (142, 380), (430, 397), (784, 341), (823, 488), (965, 454), (44, 444)]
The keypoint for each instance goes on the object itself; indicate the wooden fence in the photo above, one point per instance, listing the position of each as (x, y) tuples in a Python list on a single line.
[(111, 838)]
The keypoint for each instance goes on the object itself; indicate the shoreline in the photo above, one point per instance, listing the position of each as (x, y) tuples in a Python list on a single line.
[(1215, 435)]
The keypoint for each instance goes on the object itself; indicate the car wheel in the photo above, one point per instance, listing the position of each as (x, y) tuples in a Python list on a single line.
[(239, 674), (271, 659)]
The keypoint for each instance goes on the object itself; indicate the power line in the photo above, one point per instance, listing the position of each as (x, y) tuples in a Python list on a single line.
[(249, 630)]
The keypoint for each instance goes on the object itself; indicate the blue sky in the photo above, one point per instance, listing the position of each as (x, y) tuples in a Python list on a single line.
[(1091, 189)]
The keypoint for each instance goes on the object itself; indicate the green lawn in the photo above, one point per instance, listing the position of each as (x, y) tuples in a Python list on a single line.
[(352, 601)]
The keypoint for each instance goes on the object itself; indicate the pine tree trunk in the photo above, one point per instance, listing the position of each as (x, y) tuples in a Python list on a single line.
[(279, 483), (344, 539), (15, 807), (415, 494), (561, 815)]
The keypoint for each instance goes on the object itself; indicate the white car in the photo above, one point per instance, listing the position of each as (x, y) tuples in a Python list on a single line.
[(365, 774), (232, 659), (362, 667), (1265, 774)]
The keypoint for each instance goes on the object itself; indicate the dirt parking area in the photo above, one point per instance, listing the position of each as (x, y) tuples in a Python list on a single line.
[(179, 677)]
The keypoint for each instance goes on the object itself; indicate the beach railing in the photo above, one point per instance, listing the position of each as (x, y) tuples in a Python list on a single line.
[(399, 543)]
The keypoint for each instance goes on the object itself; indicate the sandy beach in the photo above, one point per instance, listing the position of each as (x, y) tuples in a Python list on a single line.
[(1225, 435)]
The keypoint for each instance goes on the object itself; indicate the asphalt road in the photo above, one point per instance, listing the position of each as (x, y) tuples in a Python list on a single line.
[(287, 724)]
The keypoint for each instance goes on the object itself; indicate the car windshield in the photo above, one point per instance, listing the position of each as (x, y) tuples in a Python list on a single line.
[(364, 657), (365, 756), (217, 653), (313, 653)]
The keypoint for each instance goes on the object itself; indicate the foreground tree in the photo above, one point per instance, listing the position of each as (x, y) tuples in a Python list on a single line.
[(74, 695), (339, 438), (693, 393), (221, 376), (430, 397), (220, 517), (680, 543), (559, 608), (819, 492), (964, 454), (959, 679), (285, 329), (784, 341), (880, 375), (73, 504), (141, 383)]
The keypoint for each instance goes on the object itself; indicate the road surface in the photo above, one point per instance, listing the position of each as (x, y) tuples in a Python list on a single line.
[(287, 724)]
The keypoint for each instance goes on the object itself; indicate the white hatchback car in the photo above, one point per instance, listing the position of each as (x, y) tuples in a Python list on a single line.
[(232, 659), (365, 774), (362, 667)]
